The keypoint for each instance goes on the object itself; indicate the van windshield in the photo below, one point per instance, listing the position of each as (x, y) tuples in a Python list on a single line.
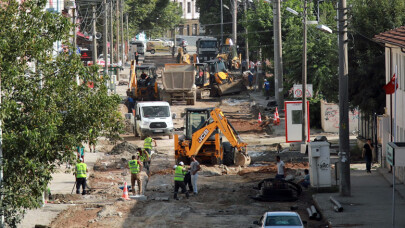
[(155, 111), (208, 44)]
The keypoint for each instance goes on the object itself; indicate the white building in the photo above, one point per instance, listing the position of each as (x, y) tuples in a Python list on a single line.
[(191, 14), (391, 126)]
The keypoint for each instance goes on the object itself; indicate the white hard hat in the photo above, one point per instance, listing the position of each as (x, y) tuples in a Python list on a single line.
[(265, 80), (81, 159), (181, 163), (174, 167)]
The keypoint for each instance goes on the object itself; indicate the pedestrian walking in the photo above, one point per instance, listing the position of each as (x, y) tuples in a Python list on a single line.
[(135, 167), (194, 168), (267, 89), (280, 168), (144, 157), (81, 170), (147, 144), (92, 140), (136, 57), (252, 66), (179, 172), (250, 79), (368, 155), (80, 152)]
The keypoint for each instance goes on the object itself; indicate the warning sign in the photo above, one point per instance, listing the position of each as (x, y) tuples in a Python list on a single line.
[(298, 90)]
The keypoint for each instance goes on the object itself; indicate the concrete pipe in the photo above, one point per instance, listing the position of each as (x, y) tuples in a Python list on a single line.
[(337, 204), (314, 212), (310, 213)]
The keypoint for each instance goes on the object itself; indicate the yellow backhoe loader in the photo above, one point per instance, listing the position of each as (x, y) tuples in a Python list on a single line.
[(230, 55), (221, 82), (203, 138)]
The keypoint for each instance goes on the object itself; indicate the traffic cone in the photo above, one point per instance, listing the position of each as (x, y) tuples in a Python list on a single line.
[(260, 118), (276, 120), (125, 193)]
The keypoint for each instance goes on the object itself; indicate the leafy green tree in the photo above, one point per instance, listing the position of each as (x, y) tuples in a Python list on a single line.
[(153, 16), (366, 58), (45, 113), (321, 48)]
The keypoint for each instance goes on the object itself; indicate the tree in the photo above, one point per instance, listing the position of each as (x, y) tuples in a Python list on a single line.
[(366, 58), (153, 16), (45, 113)]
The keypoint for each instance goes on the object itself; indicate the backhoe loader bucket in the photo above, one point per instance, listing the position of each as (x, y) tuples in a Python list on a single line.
[(231, 87), (242, 159)]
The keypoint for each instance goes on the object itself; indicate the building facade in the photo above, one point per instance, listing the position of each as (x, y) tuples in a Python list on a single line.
[(191, 16), (391, 125)]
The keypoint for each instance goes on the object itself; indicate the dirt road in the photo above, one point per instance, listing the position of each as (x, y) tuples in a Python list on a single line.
[(224, 198)]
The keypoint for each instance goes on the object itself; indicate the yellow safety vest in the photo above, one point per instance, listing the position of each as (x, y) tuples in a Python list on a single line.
[(133, 166), (81, 170), (179, 173), (147, 144), (144, 156)]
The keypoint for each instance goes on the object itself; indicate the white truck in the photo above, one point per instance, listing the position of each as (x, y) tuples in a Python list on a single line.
[(178, 81), (153, 118)]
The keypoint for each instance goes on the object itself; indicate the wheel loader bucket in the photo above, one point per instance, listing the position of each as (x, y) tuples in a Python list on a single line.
[(231, 87), (242, 159)]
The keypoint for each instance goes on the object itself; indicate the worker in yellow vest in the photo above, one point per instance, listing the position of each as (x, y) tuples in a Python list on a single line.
[(179, 172), (144, 157), (135, 167), (147, 144), (81, 170)]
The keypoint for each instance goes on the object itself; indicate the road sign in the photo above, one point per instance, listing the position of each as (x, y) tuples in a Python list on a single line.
[(298, 90)]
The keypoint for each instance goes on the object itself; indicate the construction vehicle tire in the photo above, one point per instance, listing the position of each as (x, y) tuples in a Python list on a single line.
[(214, 91), (192, 101), (152, 51), (229, 154), (142, 136)]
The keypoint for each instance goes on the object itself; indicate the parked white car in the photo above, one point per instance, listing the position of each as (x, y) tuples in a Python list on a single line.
[(280, 219)]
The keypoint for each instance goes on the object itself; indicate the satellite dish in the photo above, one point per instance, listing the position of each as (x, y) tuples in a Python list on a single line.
[(98, 35)]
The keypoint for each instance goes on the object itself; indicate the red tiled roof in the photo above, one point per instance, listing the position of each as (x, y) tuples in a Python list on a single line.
[(395, 37)]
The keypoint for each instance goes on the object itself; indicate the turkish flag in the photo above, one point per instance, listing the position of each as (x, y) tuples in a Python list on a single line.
[(390, 87)]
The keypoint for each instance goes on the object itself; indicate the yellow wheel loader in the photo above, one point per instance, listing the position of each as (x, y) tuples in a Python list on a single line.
[(204, 129), (221, 83)]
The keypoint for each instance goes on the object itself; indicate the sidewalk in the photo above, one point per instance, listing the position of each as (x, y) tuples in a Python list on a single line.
[(62, 183), (370, 204)]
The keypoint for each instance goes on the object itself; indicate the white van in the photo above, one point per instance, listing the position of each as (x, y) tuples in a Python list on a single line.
[(153, 118)]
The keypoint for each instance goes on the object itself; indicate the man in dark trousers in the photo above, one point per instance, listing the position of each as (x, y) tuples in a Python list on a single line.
[(187, 181), (179, 172), (81, 170), (368, 155)]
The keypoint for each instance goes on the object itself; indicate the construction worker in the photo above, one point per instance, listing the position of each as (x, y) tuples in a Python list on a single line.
[(144, 157), (179, 172), (135, 167), (81, 170), (147, 144), (267, 89)]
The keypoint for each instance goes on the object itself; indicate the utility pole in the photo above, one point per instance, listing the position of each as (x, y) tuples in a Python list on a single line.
[(126, 17), (344, 146), (105, 36), (122, 32), (174, 42), (1, 168), (222, 24), (117, 24), (278, 56), (111, 33), (234, 19), (94, 37), (74, 27), (246, 38), (304, 75)]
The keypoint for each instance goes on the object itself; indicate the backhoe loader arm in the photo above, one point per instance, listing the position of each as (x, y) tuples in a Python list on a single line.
[(228, 130), (220, 122), (132, 83)]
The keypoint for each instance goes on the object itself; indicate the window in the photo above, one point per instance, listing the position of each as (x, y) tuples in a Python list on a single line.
[(188, 30), (194, 29), (188, 7), (181, 30), (296, 116)]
